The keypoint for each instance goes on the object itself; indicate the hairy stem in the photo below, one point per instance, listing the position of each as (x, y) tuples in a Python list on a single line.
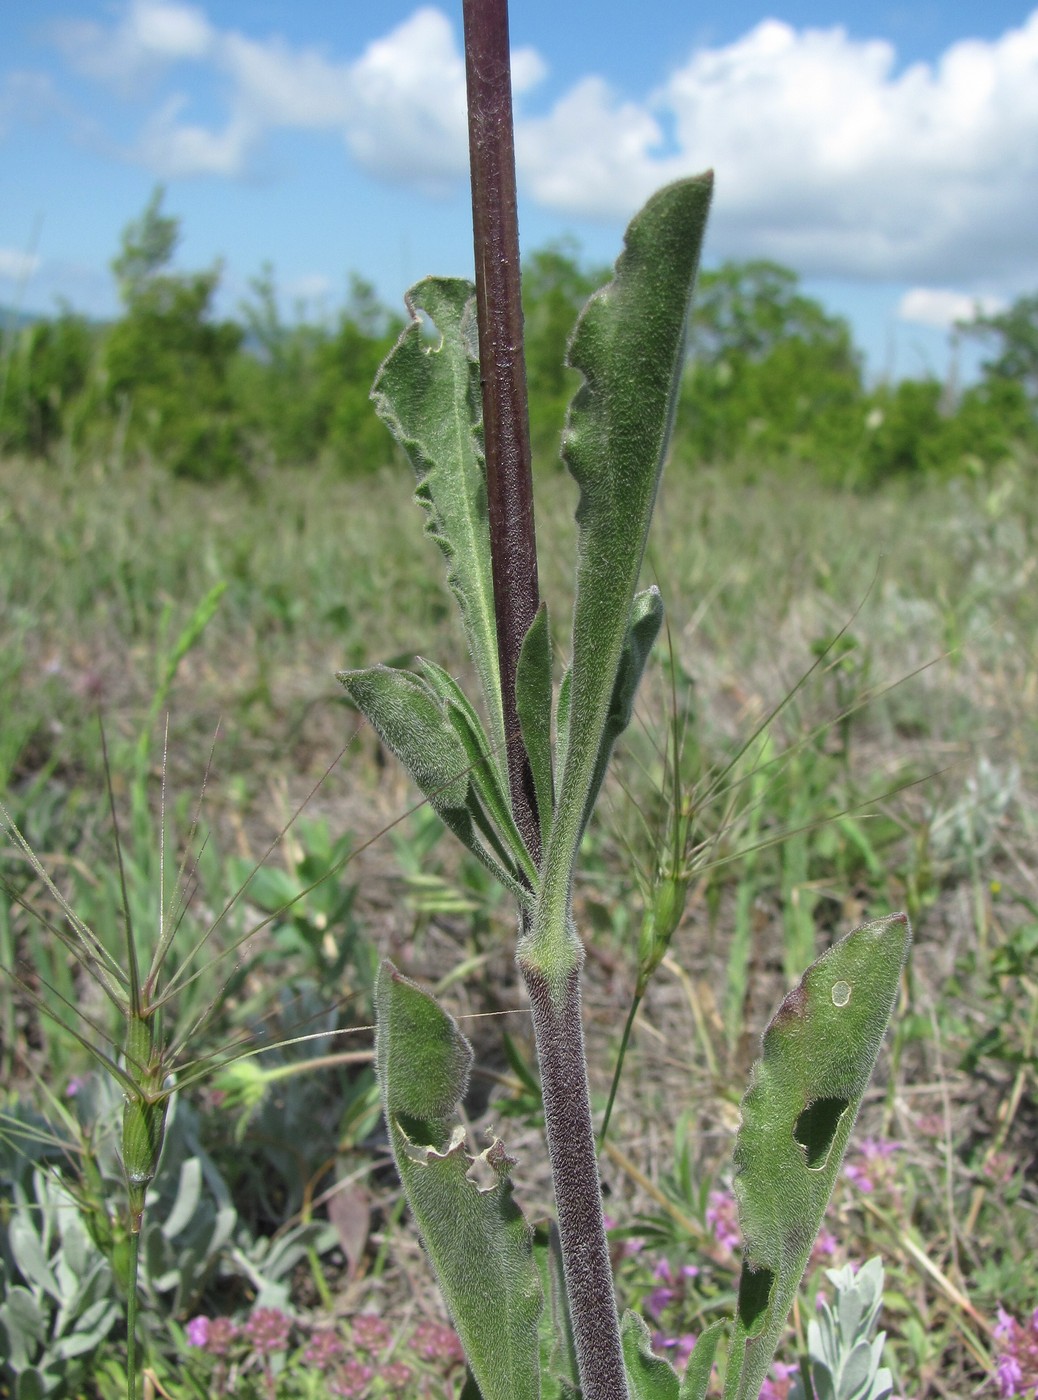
[(560, 1040), (506, 424), (578, 1195)]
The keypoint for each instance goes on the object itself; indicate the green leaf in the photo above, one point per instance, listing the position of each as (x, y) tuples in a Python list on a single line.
[(27, 1250), (24, 1322), (649, 1377), (533, 699), (646, 621), (408, 717), (558, 1352), (805, 1091), (412, 720), (696, 1379), (429, 397), (476, 1236), (628, 345), (484, 775)]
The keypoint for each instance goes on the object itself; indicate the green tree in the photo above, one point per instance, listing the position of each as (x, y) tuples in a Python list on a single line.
[(167, 362), (277, 377), (906, 425), (1015, 334), (347, 365), (772, 375), (45, 370)]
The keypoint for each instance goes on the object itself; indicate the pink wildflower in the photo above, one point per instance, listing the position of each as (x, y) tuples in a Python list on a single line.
[(267, 1329), (722, 1216), (324, 1349)]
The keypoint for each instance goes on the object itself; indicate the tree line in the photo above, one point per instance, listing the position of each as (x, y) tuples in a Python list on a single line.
[(772, 378)]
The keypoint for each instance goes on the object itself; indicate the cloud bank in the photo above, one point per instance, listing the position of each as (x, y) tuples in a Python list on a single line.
[(828, 157)]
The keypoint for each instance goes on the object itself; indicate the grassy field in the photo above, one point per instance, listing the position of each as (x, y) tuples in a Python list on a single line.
[(854, 680)]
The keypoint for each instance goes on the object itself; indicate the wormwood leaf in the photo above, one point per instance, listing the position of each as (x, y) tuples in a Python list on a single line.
[(429, 397), (627, 345), (805, 1091), (477, 1238)]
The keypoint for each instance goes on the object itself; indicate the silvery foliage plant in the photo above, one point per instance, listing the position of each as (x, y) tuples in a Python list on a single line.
[(844, 1356)]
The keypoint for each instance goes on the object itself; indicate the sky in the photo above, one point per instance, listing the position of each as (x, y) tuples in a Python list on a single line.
[(887, 153)]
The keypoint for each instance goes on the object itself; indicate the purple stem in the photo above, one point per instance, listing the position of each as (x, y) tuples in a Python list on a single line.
[(506, 422)]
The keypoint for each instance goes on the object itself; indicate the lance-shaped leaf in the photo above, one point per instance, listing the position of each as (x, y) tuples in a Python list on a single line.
[(696, 1379), (414, 722), (628, 345), (429, 396), (649, 1377), (558, 1353), (533, 698), (484, 775), (477, 1238), (805, 1090), (646, 621)]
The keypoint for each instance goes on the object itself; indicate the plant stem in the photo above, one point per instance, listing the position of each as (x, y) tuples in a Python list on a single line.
[(636, 1001), (131, 1314), (513, 545), (506, 425), (578, 1195)]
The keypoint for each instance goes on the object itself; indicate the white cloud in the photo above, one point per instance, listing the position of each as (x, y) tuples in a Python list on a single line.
[(399, 106), (17, 266), (149, 35), (407, 111), (173, 148), (828, 157), (940, 307)]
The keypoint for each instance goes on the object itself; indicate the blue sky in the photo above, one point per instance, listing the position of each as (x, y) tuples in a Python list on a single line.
[(888, 154)]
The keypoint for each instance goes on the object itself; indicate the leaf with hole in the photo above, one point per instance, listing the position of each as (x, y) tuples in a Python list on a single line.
[(805, 1091)]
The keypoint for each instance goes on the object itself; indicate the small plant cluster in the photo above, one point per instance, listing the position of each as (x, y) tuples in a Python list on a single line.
[(1017, 1364), (364, 1360)]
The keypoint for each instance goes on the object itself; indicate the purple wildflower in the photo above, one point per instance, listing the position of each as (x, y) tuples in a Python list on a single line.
[(325, 1347), (1017, 1363), (722, 1217), (824, 1246), (268, 1329), (680, 1348), (370, 1333), (871, 1166), (198, 1331), (779, 1383), (217, 1334), (397, 1376), (662, 1296), (352, 1380), (433, 1341)]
